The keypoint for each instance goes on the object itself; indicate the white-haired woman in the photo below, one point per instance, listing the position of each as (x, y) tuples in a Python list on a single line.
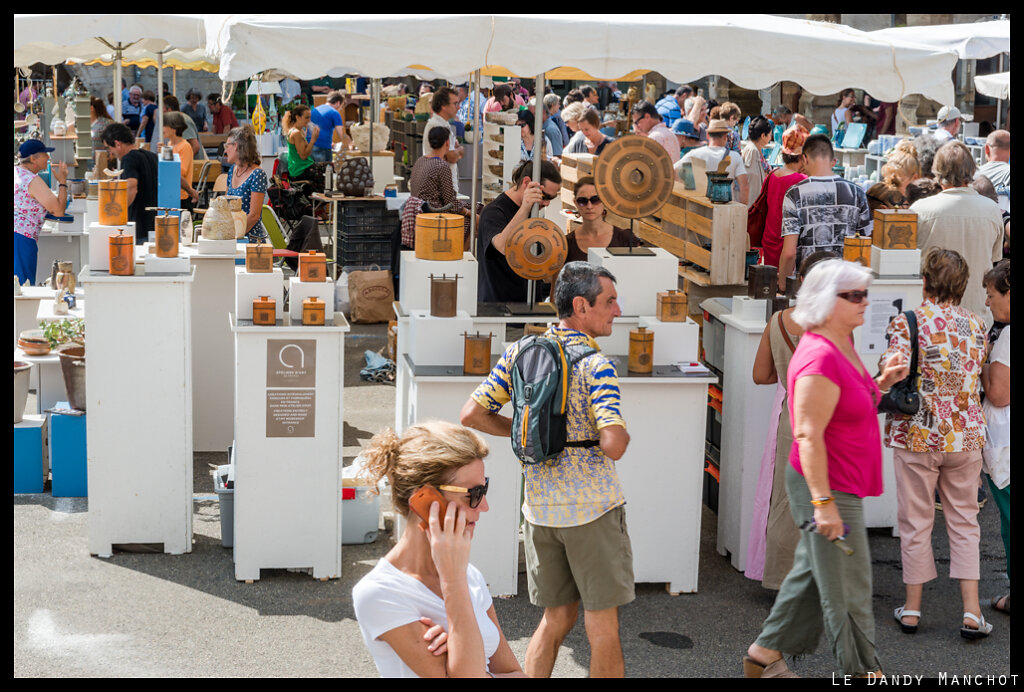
[(835, 462)]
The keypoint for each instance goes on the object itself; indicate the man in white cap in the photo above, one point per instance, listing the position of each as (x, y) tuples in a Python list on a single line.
[(949, 123), (715, 153)]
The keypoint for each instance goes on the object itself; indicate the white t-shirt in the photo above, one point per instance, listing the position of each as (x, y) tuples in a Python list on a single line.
[(387, 598), (712, 156), (437, 121), (997, 443)]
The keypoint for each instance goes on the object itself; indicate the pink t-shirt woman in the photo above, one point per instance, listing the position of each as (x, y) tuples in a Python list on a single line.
[(772, 239), (853, 442)]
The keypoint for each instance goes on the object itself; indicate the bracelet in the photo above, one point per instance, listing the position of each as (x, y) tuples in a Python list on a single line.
[(61, 185), (821, 501)]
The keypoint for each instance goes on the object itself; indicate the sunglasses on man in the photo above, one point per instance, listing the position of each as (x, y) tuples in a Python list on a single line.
[(476, 495)]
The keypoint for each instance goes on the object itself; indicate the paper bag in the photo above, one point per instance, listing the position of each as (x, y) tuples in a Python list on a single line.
[(370, 295)]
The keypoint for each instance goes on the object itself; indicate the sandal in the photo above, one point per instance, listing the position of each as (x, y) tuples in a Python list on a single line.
[(1000, 599), (775, 669), (902, 612), (982, 630)]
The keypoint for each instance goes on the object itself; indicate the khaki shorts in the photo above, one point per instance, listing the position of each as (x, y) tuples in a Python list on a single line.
[(592, 563)]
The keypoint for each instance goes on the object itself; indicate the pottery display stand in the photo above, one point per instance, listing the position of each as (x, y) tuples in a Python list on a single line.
[(414, 282), (139, 399), (435, 387), (745, 424), (869, 340), (68, 454), (250, 286), (213, 366), (299, 290), (29, 472), (288, 447), (59, 245)]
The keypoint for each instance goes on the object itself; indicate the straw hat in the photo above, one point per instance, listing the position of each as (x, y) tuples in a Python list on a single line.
[(718, 126)]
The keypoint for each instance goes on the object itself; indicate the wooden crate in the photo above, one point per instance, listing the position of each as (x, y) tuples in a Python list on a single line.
[(713, 236)]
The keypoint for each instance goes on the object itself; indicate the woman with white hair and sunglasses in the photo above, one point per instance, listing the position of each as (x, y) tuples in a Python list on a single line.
[(836, 461)]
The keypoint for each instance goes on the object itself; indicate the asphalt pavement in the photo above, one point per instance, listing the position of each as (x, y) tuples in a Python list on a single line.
[(139, 614)]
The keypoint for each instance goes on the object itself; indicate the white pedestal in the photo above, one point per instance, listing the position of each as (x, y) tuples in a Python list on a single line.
[(99, 245), (205, 246), (213, 365), (895, 263), (414, 281), (617, 343), (92, 212), (382, 165), (288, 482), (249, 287), (673, 341), (167, 265), (298, 291), (139, 394), (64, 245), (639, 279), (662, 475), (745, 424), (869, 340), (438, 340), (495, 549)]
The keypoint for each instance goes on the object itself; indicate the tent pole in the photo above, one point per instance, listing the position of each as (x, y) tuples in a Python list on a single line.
[(117, 85), (159, 134), (538, 147), (474, 118), (174, 81)]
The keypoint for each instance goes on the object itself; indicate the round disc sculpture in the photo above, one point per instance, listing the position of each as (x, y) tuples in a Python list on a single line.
[(536, 249), (634, 176)]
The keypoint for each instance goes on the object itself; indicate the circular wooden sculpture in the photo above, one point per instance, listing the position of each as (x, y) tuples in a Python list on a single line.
[(536, 249), (634, 176)]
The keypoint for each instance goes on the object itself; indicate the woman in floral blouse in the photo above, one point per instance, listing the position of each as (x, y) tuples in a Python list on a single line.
[(941, 445)]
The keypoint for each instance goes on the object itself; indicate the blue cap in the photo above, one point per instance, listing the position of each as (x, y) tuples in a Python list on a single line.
[(32, 147), (684, 127)]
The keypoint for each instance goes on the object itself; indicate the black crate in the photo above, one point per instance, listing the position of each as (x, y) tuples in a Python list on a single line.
[(365, 250), (385, 224), (361, 209)]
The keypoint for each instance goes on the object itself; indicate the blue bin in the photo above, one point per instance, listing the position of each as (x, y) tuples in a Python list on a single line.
[(68, 454), (28, 455)]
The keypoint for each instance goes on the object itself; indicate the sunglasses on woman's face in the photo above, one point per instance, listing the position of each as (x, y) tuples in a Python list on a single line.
[(855, 297), (476, 495), (583, 201)]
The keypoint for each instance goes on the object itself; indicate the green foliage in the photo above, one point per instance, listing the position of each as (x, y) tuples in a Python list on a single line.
[(64, 331)]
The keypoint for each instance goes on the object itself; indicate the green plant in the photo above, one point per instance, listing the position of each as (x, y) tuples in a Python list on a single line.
[(64, 331)]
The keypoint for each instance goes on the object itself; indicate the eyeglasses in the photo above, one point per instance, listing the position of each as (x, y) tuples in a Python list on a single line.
[(476, 495), (583, 201), (546, 197), (855, 297)]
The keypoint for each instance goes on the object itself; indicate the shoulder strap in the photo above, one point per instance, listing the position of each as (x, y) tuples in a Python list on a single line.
[(912, 324), (785, 334)]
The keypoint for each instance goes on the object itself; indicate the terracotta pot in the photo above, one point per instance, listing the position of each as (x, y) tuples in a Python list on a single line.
[(22, 374), (166, 235), (476, 355), (641, 350), (72, 367), (122, 254), (113, 202), (33, 343)]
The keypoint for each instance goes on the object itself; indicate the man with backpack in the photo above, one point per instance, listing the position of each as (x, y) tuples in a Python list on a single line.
[(568, 431)]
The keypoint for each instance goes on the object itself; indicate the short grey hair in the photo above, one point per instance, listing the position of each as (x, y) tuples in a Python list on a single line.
[(578, 279), (574, 112), (550, 101), (817, 296)]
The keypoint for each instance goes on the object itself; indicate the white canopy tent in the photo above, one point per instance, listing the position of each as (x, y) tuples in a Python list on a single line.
[(975, 41), (53, 39), (995, 85), (753, 51)]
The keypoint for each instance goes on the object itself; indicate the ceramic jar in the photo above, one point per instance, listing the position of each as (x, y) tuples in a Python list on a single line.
[(219, 223), (113, 205), (476, 358), (641, 350), (166, 235), (122, 254), (313, 267), (314, 311), (240, 217), (264, 311)]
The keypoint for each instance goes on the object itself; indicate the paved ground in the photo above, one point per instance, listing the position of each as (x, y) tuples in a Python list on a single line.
[(161, 615)]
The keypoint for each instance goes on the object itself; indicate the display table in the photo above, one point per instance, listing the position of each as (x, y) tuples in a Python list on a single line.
[(46, 379), (288, 446), (746, 409), (45, 311), (26, 307), (139, 399)]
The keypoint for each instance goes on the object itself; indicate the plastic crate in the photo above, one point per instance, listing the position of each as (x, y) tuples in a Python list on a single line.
[(365, 250), (361, 209)]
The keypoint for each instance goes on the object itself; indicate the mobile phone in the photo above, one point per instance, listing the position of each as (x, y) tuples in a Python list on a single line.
[(422, 499)]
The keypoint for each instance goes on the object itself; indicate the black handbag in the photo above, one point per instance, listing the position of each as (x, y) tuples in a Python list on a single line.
[(903, 398)]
